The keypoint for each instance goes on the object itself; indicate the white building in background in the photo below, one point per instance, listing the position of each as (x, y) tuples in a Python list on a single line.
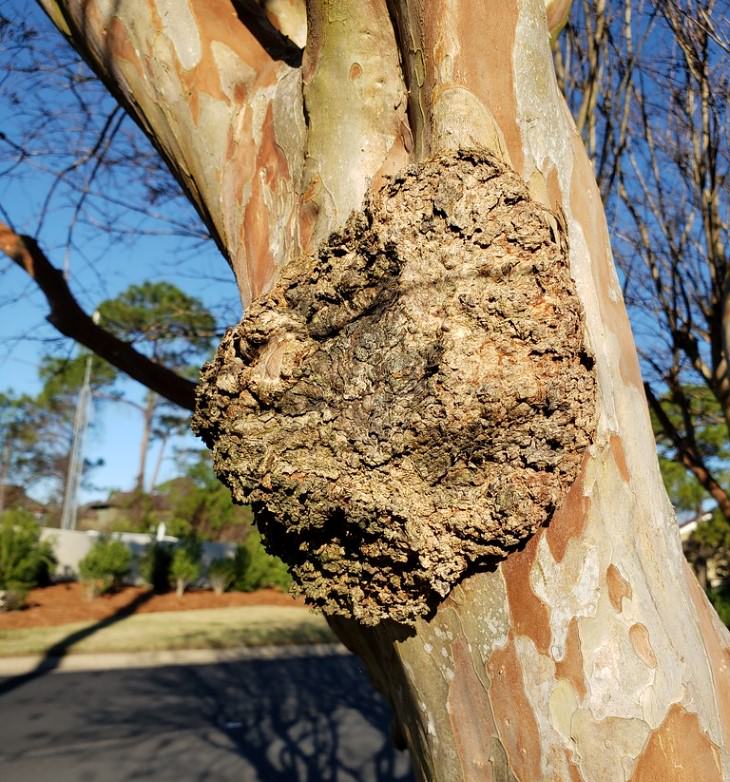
[(71, 546)]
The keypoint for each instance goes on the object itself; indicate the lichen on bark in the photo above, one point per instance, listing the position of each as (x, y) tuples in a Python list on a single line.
[(413, 400)]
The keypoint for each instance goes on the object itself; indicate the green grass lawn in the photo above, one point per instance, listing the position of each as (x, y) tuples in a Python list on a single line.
[(218, 628)]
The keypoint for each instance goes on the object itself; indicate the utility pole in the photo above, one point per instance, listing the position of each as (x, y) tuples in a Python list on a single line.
[(4, 470), (76, 459)]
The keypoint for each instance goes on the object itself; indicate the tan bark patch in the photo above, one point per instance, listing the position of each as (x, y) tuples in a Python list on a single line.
[(396, 159), (512, 711), (557, 15), (604, 746), (217, 22), (717, 649), (571, 666), (530, 616), (618, 587), (272, 163), (555, 194), (585, 204), (120, 47), (573, 770), (619, 457), (487, 70), (289, 17), (257, 171), (472, 736), (255, 232), (568, 522), (678, 751), (639, 637), (461, 92)]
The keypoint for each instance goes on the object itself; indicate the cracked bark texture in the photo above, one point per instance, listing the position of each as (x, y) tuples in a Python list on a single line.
[(415, 399)]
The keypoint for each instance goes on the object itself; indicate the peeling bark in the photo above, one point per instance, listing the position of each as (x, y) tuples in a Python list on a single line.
[(226, 118)]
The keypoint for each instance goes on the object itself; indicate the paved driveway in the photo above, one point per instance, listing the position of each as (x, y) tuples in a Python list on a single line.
[(302, 719)]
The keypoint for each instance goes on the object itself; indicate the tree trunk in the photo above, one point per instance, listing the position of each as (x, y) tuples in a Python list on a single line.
[(580, 650)]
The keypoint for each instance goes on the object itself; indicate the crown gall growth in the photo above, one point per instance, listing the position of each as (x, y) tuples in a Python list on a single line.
[(414, 399)]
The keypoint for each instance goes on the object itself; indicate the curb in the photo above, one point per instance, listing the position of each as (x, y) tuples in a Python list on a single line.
[(19, 666)]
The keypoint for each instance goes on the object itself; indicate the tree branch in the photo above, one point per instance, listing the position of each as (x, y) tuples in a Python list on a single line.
[(687, 455), (67, 316)]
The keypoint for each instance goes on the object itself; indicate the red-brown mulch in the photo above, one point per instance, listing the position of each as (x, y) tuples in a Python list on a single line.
[(63, 603)]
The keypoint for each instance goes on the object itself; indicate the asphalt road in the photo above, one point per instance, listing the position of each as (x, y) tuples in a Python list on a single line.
[(305, 719)]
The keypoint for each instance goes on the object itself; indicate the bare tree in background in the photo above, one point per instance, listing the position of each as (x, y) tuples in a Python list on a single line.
[(442, 430), (82, 181), (651, 100)]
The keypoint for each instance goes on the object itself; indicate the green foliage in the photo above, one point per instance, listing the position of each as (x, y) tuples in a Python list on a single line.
[(25, 560), (201, 505), (154, 566), (185, 566), (161, 321), (105, 565), (255, 569), (222, 574), (714, 533), (63, 377), (684, 490), (711, 541), (34, 440), (720, 599), (35, 432), (711, 436)]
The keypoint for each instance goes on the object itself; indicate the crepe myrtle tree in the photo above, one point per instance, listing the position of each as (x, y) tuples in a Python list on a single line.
[(434, 401)]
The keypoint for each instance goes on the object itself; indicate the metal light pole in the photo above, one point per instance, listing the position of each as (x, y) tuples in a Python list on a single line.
[(76, 459)]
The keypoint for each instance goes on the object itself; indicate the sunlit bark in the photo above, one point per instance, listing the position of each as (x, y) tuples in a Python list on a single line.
[(226, 117), (591, 653)]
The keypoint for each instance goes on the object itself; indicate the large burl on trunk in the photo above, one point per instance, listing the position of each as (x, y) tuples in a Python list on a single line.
[(413, 401)]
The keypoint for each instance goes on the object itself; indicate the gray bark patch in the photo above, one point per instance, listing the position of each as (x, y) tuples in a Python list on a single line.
[(415, 399)]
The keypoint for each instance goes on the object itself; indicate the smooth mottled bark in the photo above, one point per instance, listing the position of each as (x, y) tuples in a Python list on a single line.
[(589, 652)]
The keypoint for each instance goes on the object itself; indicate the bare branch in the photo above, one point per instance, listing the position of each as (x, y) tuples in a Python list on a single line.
[(688, 455), (67, 316)]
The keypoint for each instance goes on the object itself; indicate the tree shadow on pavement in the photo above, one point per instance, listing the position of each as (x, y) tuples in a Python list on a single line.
[(310, 719), (299, 717), (54, 654)]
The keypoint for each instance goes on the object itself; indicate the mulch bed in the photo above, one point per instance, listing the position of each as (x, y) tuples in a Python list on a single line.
[(63, 603)]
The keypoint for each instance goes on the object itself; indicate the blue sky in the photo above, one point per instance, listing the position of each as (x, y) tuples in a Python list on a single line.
[(101, 263)]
